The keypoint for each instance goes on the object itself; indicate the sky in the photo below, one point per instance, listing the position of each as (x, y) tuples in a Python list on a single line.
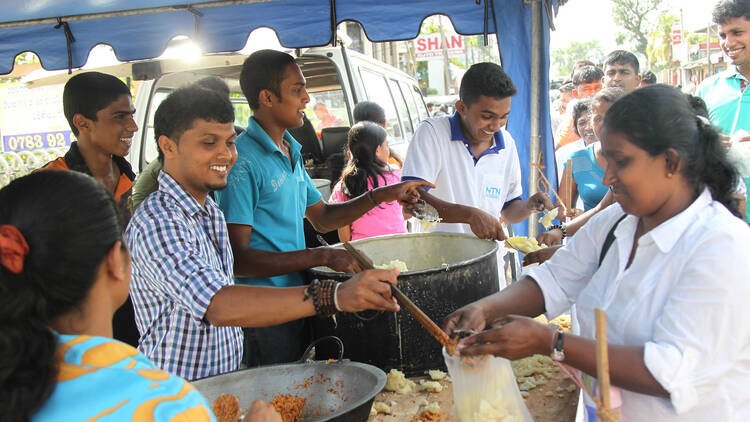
[(598, 24)]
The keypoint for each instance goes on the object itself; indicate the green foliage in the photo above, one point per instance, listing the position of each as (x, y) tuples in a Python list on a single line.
[(27, 57), (659, 50), (636, 18), (432, 91), (564, 58)]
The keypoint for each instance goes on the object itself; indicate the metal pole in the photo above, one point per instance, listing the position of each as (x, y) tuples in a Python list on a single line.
[(446, 60), (535, 138), (708, 49)]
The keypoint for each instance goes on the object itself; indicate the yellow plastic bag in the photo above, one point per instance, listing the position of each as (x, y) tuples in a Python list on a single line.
[(485, 390)]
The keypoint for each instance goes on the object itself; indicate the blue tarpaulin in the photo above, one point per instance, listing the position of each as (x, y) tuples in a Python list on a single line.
[(62, 32)]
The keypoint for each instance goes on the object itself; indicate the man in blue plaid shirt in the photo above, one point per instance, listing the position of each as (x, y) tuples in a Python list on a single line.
[(188, 310)]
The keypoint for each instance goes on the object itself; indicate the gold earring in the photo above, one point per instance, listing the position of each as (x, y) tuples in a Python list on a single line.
[(669, 175)]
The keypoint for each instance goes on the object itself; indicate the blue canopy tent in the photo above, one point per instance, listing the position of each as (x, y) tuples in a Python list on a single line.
[(62, 32)]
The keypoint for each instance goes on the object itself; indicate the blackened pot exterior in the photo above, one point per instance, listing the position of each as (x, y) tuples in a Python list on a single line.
[(446, 272)]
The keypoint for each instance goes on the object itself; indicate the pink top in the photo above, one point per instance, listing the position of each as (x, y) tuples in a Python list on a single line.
[(386, 219)]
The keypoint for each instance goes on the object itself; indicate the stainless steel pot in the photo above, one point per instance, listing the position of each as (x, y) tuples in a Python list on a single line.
[(336, 391)]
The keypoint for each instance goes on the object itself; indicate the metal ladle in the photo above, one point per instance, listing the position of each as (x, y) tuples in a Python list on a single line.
[(425, 212)]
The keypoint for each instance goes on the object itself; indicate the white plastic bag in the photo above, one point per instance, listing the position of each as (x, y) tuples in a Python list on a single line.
[(485, 390)]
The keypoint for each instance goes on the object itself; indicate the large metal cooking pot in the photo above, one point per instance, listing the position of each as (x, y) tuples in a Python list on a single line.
[(338, 391), (446, 271)]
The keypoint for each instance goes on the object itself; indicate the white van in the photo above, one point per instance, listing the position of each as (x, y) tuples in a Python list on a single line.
[(336, 77)]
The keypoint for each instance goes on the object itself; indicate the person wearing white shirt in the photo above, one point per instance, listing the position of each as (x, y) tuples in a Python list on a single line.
[(472, 159), (673, 281)]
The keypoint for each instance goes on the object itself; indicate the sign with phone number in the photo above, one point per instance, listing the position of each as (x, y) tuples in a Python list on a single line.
[(38, 140)]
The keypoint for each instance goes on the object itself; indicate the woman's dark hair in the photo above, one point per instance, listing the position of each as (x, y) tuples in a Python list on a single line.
[(658, 117), (580, 108), (69, 223), (364, 139)]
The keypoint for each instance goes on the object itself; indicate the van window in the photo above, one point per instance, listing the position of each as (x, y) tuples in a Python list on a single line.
[(416, 119), (242, 111), (402, 108), (421, 106), (332, 113), (377, 91), (150, 152)]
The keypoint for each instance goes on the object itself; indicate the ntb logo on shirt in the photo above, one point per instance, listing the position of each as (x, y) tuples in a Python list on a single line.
[(491, 192)]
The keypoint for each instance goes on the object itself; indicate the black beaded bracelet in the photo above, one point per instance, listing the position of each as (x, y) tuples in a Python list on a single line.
[(562, 229), (322, 293)]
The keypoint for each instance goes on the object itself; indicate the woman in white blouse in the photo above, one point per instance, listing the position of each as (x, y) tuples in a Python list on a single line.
[(674, 282)]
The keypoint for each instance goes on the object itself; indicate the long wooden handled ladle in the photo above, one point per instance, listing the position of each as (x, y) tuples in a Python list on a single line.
[(427, 323)]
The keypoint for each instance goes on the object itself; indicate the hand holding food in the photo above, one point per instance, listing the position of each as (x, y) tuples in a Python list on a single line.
[(539, 201), (470, 317), (550, 237), (262, 412), (485, 226), (340, 260), (512, 337), (538, 257)]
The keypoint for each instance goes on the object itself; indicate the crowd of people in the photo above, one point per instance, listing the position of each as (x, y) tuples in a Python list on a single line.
[(125, 304)]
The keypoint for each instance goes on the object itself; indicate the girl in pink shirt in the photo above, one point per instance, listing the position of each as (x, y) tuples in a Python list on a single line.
[(367, 169)]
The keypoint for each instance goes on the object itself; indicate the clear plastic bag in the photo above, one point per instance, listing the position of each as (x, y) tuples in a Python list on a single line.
[(485, 390)]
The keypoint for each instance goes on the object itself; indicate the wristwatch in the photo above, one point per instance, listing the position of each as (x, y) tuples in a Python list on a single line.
[(557, 349)]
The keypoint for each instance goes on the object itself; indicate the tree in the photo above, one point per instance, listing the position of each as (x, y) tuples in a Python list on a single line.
[(564, 58), (659, 51), (635, 17)]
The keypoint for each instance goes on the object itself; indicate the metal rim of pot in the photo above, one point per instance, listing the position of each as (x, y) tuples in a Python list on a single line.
[(493, 250)]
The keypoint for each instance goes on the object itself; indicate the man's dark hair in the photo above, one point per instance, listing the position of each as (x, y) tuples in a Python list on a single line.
[(264, 69), (579, 64), (728, 9), (178, 111), (623, 57), (214, 83), (369, 111), (87, 93), (567, 87), (486, 79), (648, 77), (587, 74), (608, 95)]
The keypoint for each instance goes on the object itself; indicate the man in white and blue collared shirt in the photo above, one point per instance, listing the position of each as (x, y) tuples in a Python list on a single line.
[(472, 159)]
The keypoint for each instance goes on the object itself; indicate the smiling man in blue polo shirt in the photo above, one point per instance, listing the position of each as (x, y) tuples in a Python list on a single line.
[(473, 160), (269, 193)]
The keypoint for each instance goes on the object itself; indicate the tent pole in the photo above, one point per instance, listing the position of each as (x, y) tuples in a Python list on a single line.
[(534, 112)]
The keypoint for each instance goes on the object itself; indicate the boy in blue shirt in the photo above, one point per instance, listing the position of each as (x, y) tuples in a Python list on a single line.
[(269, 193)]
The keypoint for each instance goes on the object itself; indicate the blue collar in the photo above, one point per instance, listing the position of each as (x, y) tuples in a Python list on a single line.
[(458, 135), (256, 132)]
